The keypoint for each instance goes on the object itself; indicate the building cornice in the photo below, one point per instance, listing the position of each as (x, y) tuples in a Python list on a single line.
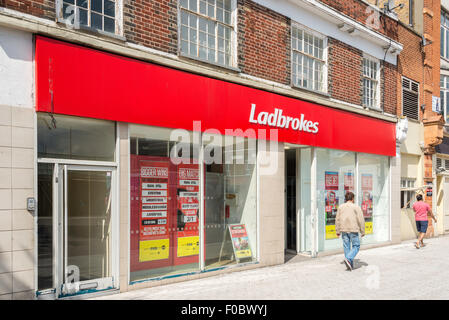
[(16, 20), (350, 24)]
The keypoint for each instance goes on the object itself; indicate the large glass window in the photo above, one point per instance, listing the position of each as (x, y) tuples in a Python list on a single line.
[(67, 137), (230, 227), (166, 208), (338, 172), (308, 60), (207, 30), (374, 196), (335, 176)]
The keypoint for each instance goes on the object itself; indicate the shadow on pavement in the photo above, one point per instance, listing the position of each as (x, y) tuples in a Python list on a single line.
[(357, 264)]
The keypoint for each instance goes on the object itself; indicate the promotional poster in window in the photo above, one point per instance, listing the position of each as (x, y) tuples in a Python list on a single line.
[(331, 202), (367, 201)]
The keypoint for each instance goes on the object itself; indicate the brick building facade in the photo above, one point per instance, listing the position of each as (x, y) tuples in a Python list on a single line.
[(331, 54)]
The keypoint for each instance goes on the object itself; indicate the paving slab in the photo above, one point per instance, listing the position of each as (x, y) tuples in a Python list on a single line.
[(391, 272)]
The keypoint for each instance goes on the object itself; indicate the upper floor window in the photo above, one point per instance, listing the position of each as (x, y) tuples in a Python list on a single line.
[(309, 55), (94, 14), (407, 193), (444, 34), (410, 99), (370, 82), (207, 30), (444, 96)]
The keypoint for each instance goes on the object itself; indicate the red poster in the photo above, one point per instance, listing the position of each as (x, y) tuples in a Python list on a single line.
[(188, 208), (367, 196), (331, 202), (331, 180), (349, 182), (153, 200)]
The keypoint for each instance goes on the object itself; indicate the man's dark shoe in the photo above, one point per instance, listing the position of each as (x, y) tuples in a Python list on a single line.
[(348, 265)]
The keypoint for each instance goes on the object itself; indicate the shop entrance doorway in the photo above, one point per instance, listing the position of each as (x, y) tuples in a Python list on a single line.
[(291, 201), (76, 227), (298, 222), (84, 228)]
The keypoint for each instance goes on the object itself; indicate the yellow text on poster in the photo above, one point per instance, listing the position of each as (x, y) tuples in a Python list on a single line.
[(243, 253), (330, 232), (188, 246), (151, 250), (368, 227)]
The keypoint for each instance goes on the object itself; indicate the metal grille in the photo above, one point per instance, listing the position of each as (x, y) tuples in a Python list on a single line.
[(410, 99), (438, 162)]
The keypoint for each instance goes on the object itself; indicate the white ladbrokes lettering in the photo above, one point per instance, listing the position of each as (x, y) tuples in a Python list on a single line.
[(277, 119)]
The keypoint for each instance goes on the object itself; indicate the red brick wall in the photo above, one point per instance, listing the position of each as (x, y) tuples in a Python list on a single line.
[(357, 10), (152, 23), (410, 63), (388, 96), (264, 42), (39, 8), (345, 72)]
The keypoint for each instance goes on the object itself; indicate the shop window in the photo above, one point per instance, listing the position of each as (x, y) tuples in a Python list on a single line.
[(374, 196), (99, 15), (407, 196), (370, 83), (335, 177), (444, 95), (166, 213), (410, 99), (309, 68), (207, 30), (67, 137), (230, 227), (165, 208)]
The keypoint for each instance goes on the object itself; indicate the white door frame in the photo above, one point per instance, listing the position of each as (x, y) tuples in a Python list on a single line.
[(59, 211)]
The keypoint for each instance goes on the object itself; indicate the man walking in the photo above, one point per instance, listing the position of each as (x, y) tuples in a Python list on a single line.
[(349, 223), (421, 209)]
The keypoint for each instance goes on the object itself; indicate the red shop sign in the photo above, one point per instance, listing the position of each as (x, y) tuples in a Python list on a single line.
[(80, 81)]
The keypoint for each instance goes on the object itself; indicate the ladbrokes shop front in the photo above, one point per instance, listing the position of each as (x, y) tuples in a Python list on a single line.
[(149, 175)]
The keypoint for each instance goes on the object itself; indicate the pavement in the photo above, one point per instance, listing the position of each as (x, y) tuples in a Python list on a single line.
[(392, 272)]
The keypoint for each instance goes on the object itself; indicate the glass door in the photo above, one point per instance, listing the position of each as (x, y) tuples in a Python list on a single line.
[(86, 210)]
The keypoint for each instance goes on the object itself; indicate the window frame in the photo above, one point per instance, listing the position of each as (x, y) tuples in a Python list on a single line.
[(444, 33), (118, 33), (407, 196), (402, 96), (444, 95), (325, 59), (233, 41), (369, 58)]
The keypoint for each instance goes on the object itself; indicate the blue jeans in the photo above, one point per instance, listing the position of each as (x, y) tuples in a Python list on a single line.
[(351, 238)]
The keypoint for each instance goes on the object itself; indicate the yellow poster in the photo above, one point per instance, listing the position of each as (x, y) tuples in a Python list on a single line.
[(368, 227), (243, 253), (151, 250), (330, 232), (188, 246)]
